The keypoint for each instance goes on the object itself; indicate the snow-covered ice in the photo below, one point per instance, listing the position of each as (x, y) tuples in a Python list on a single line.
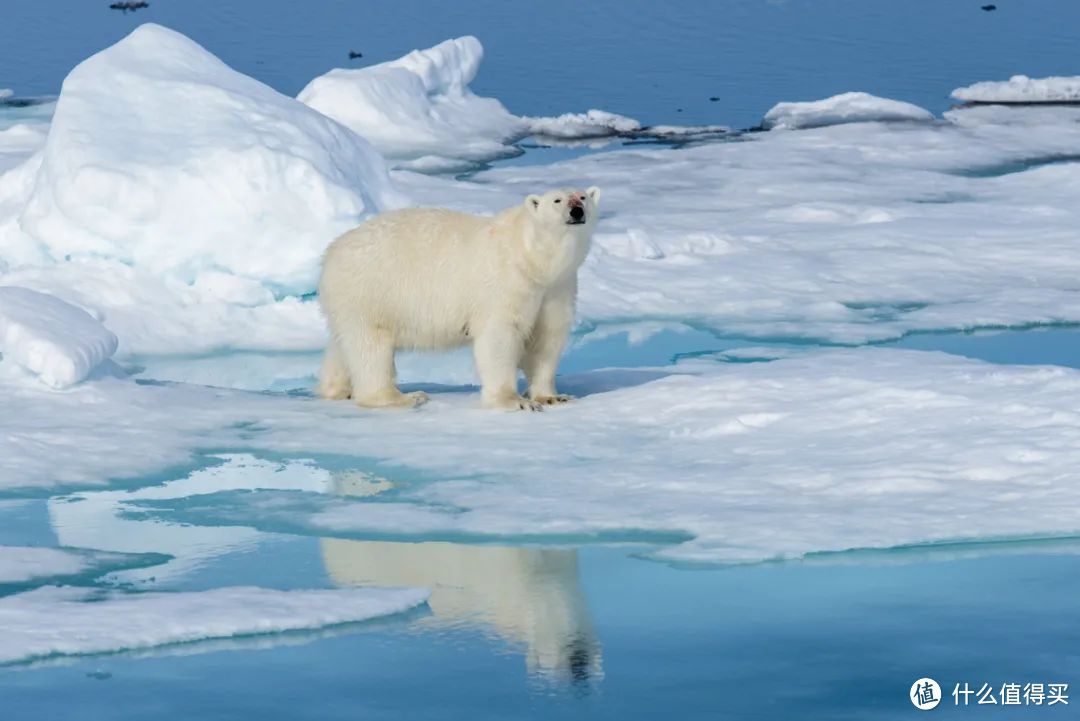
[(53, 621), (58, 342), (27, 564), (825, 451), (862, 231), (1021, 89), (199, 231), (843, 108)]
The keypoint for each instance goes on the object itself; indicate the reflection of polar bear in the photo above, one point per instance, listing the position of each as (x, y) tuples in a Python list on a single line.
[(527, 595), (436, 279)]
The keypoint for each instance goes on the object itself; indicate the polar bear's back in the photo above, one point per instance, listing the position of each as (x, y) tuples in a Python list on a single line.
[(419, 271)]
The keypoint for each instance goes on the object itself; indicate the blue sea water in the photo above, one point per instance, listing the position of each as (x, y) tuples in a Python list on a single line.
[(659, 62), (839, 636)]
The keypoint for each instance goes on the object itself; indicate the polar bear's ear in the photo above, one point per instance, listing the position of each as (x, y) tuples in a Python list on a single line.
[(532, 202), (594, 193)]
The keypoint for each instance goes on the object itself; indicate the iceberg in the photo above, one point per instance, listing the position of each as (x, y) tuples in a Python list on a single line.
[(59, 621), (420, 107), (843, 108), (163, 158), (421, 114), (58, 342), (1022, 89)]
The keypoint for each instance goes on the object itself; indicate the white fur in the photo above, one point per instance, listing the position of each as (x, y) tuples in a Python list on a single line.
[(433, 279)]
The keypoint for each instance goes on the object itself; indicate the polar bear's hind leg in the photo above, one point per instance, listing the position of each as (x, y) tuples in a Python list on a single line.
[(334, 377), (370, 357)]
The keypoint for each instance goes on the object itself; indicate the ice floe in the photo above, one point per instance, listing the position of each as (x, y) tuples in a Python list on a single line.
[(54, 621), (843, 108), (58, 342), (28, 564), (1022, 89), (591, 124), (101, 517), (824, 451)]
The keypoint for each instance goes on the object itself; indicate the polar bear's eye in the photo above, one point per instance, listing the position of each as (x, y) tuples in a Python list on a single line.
[(558, 200)]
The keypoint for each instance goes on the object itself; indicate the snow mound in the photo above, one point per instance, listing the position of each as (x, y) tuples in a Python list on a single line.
[(1021, 89), (419, 107), (26, 564), (72, 621), (162, 157), (60, 343), (839, 109)]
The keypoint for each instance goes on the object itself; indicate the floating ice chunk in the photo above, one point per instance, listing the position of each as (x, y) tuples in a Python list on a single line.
[(72, 621), (60, 343), (5, 93), (843, 108), (1022, 89), (28, 564), (99, 519), (420, 106), (591, 124), (162, 157)]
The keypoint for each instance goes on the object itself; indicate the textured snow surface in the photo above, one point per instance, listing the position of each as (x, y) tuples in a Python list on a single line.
[(850, 233), (1022, 89), (60, 343), (825, 451), (843, 108), (55, 621)]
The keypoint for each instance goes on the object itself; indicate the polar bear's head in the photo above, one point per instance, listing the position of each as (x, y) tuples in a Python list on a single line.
[(565, 207), (563, 222)]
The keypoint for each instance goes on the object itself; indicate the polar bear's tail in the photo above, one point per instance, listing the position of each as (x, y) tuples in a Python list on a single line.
[(334, 378)]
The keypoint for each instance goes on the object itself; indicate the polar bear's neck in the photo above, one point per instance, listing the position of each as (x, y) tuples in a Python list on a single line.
[(549, 256)]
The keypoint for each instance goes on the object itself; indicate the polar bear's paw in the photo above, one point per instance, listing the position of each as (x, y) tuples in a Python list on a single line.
[(553, 400), (393, 399), (514, 403)]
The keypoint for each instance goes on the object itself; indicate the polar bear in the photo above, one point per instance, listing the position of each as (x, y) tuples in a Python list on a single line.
[(432, 279)]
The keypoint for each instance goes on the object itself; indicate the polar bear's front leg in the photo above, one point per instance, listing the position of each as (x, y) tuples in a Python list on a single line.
[(498, 350), (369, 354), (545, 344)]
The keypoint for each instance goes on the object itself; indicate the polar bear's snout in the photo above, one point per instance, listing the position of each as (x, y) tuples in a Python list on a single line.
[(577, 209)]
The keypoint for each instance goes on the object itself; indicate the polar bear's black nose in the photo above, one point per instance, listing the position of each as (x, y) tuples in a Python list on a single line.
[(577, 212)]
